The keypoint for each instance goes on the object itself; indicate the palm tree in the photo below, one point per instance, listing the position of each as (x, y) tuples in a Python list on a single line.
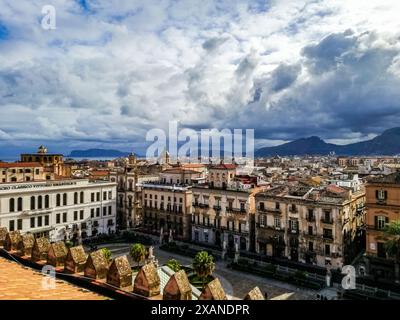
[(138, 252), (203, 265), (392, 244)]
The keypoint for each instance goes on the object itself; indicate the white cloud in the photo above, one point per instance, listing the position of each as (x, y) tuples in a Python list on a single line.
[(111, 72)]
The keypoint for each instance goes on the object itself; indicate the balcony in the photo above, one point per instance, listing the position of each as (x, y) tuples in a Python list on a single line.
[(217, 208), (310, 218), (328, 237), (293, 231), (327, 221), (310, 235), (235, 210), (293, 210)]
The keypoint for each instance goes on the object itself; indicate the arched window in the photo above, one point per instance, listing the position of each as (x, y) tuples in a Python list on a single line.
[(40, 202), (76, 198), (65, 199), (46, 201), (19, 204), (33, 203), (12, 205), (82, 197), (58, 200)]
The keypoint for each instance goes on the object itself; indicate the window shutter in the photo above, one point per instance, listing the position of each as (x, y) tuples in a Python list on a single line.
[(386, 193), (386, 220), (376, 222), (376, 194)]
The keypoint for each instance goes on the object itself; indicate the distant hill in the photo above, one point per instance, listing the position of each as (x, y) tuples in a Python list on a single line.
[(97, 153), (388, 143)]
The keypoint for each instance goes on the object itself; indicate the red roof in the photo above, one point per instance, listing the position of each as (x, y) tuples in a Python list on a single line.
[(19, 164), (223, 166)]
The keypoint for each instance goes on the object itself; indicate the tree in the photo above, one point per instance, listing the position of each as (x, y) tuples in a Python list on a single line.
[(203, 265), (138, 252), (174, 265), (392, 244), (107, 254)]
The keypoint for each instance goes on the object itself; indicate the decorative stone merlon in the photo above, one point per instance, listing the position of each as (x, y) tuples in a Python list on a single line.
[(178, 287), (120, 273), (213, 291), (147, 281)]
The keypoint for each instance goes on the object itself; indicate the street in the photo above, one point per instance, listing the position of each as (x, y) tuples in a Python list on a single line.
[(235, 283)]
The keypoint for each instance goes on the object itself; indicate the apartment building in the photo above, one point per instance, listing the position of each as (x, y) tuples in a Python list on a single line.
[(305, 224), (129, 195), (383, 206), (59, 209), (22, 171), (166, 210), (221, 215)]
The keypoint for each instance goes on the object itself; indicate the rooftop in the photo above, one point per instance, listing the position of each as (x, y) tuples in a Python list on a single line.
[(19, 164), (21, 283)]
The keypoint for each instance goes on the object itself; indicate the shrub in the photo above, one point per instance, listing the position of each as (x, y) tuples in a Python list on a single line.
[(107, 254), (174, 265)]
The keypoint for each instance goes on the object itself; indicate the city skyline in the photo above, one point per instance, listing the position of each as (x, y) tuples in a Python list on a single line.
[(108, 74)]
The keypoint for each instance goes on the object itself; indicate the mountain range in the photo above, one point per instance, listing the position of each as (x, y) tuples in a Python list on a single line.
[(97, 153), (388, 143)]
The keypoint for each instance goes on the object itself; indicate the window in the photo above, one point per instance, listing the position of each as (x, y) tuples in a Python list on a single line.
[(58, 200), (242, 207), (381, 195), (40, 202), (58, 218), (327, 249), (293, 225), (104, 211), (109, 195), (11, 225), (310, 230), (380, 222), (262, 205), (75, 197), (65, 199), (82, 197), (98, 196), (19, 204), (39, 221), (97, 212), (32, 222), (109, 210), (12, 205), (277, 206), (92, 213), (19, 224), (75, 215), (327, 216), (104, 195), (33, 200), (46, 201), (206, 237), (311, 246), (46, 220), (92, 197), (277, 222), (64, 217), (81, 214), (328, 233), (262, 220)]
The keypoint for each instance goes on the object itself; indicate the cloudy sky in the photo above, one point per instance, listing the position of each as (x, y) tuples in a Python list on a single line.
[(112, 70)]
